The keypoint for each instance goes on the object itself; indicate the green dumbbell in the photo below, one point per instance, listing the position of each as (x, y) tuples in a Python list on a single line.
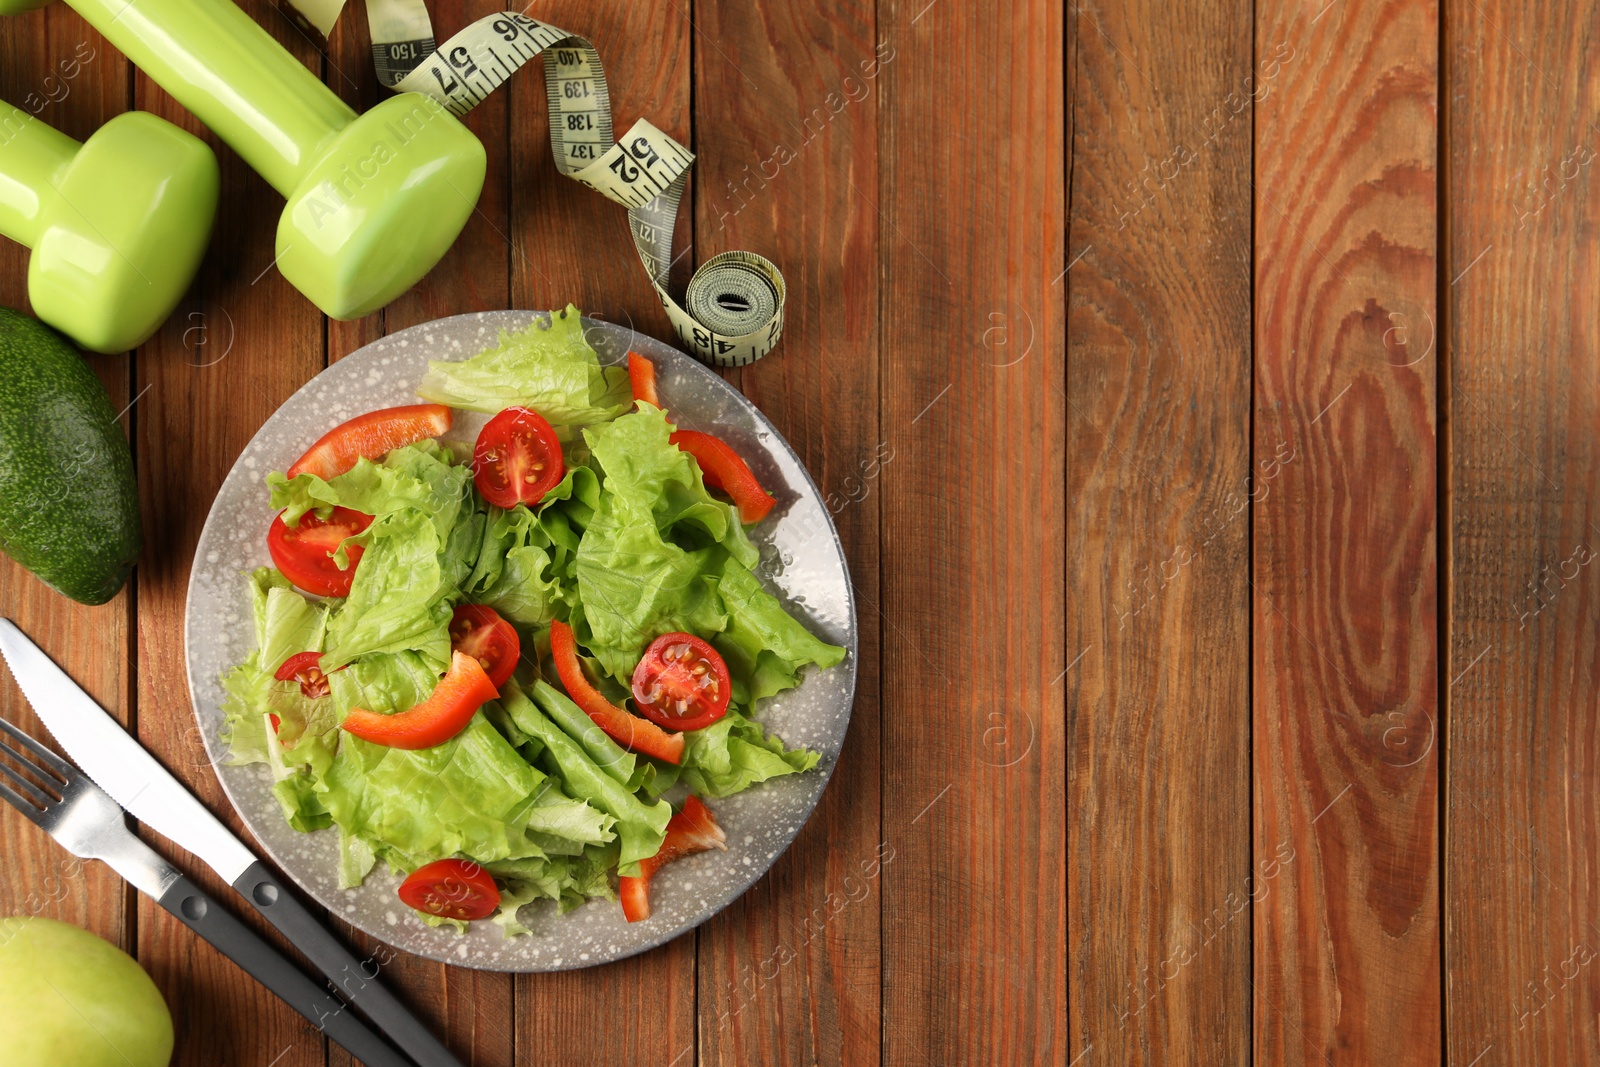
[(374, 200), (117, 224)]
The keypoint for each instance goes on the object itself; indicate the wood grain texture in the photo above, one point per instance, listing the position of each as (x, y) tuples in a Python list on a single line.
[(570, 244), (1158, 450), (64, 72), (972, 127), (1345, 650), (788, 95), (232, 353), (1522, 901)]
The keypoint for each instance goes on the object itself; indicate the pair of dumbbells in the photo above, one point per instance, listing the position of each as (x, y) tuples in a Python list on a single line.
[(119, 223)]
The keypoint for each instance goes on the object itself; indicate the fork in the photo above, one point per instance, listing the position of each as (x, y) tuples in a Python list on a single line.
[(63, 802)]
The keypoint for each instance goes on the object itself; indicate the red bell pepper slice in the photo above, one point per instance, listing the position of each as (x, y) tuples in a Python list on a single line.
[(371, 435), (629, 731), (642, 375), (436, 720), (691, 830), (722, 468)]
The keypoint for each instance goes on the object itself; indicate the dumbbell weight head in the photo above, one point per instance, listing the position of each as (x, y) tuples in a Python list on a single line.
[(374, 200), (380, 205), (120, 230)]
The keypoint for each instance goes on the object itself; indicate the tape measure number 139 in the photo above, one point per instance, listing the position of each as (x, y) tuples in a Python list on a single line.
[(732, 312)]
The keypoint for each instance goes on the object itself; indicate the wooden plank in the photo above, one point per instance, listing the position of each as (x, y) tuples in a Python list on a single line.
[(472, 1011), (1158, 446), (1521, 895), (65, 73), (1346, 661), (790, 972), (243, 341), (973, 223), (570, 244)]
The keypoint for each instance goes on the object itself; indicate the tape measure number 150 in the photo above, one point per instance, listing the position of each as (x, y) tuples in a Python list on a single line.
[(732, 312)]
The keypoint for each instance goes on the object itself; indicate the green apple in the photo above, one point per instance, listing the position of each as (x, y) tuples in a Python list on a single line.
[(74, 1000)]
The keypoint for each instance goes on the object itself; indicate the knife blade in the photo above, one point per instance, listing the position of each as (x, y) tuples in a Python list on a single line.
[(116, 762)]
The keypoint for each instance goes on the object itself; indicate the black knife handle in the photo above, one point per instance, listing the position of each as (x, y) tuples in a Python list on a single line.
[(356, 981), (239, 943)]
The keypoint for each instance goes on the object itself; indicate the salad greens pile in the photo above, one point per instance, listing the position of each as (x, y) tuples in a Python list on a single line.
[(628, 546)]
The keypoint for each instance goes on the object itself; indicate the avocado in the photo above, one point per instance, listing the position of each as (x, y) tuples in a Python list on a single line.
[(69, 505)]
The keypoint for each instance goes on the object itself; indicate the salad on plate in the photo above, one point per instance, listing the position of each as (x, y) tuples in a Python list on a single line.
[(518, 673)]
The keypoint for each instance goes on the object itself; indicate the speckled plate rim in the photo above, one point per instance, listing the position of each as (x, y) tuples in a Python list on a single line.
[(308, 858)]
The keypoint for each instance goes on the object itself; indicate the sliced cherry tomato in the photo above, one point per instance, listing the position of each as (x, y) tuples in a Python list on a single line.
[(302, 667), (629, 731), (681, 683), (436, 720), (691, 830), (722, 468), (451, 889), (371, 435), (480, 632), (642, 375), (305, 553), (517, 459)]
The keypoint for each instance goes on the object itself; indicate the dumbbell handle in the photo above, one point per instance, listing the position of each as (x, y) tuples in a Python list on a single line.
[(33, 157), (218, 63)]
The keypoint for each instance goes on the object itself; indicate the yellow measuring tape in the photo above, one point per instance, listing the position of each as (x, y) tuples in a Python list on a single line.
[(732, 313)]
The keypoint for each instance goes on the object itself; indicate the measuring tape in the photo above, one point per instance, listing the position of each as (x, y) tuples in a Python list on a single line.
[(732, 313)]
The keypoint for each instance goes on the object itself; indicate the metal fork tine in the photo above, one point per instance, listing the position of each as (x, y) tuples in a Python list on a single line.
[(38, 797), (40, 819), (21, 805), (63, 770)]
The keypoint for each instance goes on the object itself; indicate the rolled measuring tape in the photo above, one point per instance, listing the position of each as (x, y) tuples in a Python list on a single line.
[(732, 313)]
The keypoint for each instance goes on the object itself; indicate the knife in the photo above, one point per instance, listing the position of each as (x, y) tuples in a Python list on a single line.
[(125, 769)]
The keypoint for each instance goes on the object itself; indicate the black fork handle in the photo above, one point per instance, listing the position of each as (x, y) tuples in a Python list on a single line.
[(357, 981), (239, 943)]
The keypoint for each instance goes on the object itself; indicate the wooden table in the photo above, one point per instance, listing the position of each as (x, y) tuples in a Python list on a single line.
[(1209, 419)]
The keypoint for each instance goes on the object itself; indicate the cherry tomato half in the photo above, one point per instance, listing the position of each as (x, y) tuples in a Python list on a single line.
[(451, 889), (480, 632), (305, 553), (302, 667), (517, 459), (681, 683), (371, 435)]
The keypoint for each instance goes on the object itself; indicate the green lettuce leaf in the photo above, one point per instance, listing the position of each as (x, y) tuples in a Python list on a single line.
[(420, 477), (734, 753), (647, 475), (634, 587), (764, 645), (286, 623), (640, 827), (399, 598), (513, 571), (609, 756), (550, 368), (471, 796)]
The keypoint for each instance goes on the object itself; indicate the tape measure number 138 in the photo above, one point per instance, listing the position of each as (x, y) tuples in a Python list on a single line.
[(732, 312)]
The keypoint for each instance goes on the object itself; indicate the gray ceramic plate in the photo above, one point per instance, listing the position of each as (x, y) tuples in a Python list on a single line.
[(802, 563)]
